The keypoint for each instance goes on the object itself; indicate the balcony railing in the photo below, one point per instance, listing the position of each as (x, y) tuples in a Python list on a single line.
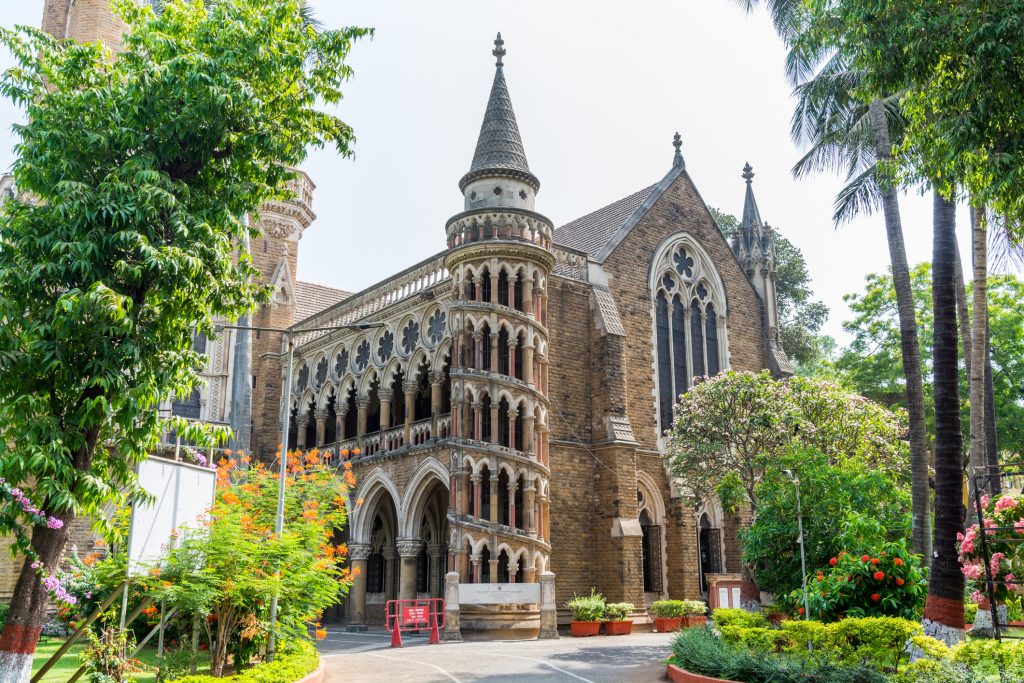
[(421, 433)]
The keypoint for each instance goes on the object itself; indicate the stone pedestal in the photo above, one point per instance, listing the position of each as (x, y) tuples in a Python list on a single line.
[(452, 632), (548, 607), (408, 553), (358, 555)]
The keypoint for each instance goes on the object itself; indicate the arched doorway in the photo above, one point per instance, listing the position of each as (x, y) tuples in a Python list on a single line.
[(426, 520), (709, 537), (651, 515)]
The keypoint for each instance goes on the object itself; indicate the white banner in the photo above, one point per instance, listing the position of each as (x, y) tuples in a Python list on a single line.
[(498, 593), (183, 495)]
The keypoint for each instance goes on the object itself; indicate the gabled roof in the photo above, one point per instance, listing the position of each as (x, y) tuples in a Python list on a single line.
[(593, 231), (311, 298)]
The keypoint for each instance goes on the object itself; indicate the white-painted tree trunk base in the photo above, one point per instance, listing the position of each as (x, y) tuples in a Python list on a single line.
[(15, 668), (950, 635), (983, 621)]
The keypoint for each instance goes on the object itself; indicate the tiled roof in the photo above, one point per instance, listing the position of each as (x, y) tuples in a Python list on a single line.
[(593, 231), (311, 298)]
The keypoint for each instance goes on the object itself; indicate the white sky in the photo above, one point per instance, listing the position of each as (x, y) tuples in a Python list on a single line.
[(598, 87)]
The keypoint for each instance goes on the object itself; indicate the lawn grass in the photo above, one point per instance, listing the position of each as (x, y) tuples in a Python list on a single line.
[(70, 662)]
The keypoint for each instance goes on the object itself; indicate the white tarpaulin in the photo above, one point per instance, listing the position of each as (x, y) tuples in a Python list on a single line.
[(183, 494)]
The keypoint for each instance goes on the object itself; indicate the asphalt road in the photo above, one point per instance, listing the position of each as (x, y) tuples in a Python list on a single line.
[(368, 657)]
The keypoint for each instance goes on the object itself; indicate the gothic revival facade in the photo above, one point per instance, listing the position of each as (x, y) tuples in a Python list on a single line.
[(503, 402)]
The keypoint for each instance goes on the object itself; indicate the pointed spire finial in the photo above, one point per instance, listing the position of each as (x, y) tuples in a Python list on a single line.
[(499, 50), (748, 172), (677, 142)]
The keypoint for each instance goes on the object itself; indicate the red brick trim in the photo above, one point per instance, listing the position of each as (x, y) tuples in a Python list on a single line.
[(20, 639), (945, 611), (315, 677), (678, 675)]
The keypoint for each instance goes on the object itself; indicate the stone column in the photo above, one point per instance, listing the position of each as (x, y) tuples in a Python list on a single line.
[(478, 350), (385, 408), (528, 428), (530, 575), (512, 415), (512, 291), (301, 423), (475, 478), (548, 607), (512, 487), (363, 408), (529, 495), (358, 554), (512, 346), (528, 296), (474, 559), (477, 427), (494, 498), (451, 608), (493, 578), (339, 422), (513, 568), (494, 421), (478, 286), (436, 396), (408, 552), (436, 569), (494, 286), (494, 352), (321, 426), (528, 363), (390, 557), (410, 389), (465, 494)]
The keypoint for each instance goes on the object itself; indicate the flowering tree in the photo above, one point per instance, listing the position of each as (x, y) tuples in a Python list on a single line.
[(135, 172), (1004, 535), (224, 574)]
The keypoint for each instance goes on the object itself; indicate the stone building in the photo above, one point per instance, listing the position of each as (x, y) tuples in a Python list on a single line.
[(504, 400)]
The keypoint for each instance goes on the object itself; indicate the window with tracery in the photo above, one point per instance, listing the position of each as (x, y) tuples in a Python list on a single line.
[(690, 335)]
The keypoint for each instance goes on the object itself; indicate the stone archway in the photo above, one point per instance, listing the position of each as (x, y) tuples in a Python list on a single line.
[(425, 532)]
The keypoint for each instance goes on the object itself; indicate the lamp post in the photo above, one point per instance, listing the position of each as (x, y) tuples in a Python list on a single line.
[(289, 335), (800, 528)]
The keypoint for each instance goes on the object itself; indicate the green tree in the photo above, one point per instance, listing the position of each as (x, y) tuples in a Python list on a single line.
[(800, 315), (135, 171), (729, 430), (829, 492), (870, 363)]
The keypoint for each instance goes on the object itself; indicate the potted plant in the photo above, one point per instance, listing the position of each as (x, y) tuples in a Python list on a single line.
[(668, 615), (587, 612), (695, 613), (616, 621)]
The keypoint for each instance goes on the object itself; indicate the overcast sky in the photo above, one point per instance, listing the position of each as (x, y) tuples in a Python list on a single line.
[(598, 87)]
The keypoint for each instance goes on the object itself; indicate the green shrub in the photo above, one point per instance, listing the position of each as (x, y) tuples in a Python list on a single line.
[(587, 607), (291, 664), (4, 609), (757, 639), (872, 641), (618, 611), (727, 616), (801, 632), (670, 609), (970, 612)]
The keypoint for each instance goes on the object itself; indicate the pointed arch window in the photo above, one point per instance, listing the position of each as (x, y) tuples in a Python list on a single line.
[(691, 339)]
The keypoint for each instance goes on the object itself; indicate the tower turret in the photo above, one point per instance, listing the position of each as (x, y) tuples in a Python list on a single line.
[(500, 259)]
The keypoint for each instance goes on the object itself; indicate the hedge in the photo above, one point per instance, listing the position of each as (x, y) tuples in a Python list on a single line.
[(300, 660)]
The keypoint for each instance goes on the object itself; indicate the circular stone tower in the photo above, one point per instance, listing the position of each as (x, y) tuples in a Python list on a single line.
[(500, 258)]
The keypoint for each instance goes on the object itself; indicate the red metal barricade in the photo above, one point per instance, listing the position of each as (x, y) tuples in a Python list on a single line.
[(414, 615)]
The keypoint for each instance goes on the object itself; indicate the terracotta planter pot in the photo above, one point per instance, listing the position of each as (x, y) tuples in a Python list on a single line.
[(582, 629), (618, 628), (692, 620), (667, 624)]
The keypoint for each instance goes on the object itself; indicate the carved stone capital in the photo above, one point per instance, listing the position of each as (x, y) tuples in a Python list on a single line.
[(359, 551), (320, 415), (410, 387), (409, 548)]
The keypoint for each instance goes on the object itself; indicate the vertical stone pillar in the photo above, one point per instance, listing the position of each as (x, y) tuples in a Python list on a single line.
[(494, 287), (513, 569), (494, 352), (512, 415), (474, 559), (478, 350), (358, 554), (390, 569), (452, 633), (301, 423), (512, 291), (512, 487), (410, 389), (436, 397), (437, 570), (463, 500), (548, 607), (477, 427), (494, 498), (475, 478), (408, 553), (512, 346), (494, 421), (321, 427), (528, 296), (528, 436), (529, 495), (494, 571), (339, 422), (385, 408), (478, 288), (528, 363)]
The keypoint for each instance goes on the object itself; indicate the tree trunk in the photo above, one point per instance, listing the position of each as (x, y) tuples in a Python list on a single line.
[(28, 604), (921, 534), (979, 327), (944, 608), (991, 440), (963, 311)]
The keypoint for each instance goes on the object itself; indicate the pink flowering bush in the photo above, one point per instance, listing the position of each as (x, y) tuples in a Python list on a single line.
[(1004, 521)]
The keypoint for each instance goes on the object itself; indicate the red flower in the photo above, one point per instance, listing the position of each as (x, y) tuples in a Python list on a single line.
[(876, 597), (865, 558), (879, 576), (800, 611), (832, 562), (874, 560), (898, 562), (899, 582)]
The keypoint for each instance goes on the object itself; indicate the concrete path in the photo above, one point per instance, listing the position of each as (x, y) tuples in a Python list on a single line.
[(368, 657)]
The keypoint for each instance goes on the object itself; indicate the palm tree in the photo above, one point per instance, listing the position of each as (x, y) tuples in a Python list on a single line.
[(944, 610), (844, 134)]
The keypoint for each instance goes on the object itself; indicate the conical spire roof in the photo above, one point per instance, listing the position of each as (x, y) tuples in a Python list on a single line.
[(499, 149), (751, 216)]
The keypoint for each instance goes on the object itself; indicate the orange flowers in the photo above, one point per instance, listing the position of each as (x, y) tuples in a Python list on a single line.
[(875, 597), (879, 576), (898, 562), (900, 582), (150, 611), (320, 633)]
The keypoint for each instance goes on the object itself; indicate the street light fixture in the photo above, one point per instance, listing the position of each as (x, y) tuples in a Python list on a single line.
[(800, 526), (289, 334)]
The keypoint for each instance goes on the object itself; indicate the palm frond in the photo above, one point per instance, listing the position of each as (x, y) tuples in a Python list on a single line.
[(859, 196), (1005, 244)]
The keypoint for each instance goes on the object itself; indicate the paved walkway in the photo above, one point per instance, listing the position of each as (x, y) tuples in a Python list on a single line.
[(368, 657)]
